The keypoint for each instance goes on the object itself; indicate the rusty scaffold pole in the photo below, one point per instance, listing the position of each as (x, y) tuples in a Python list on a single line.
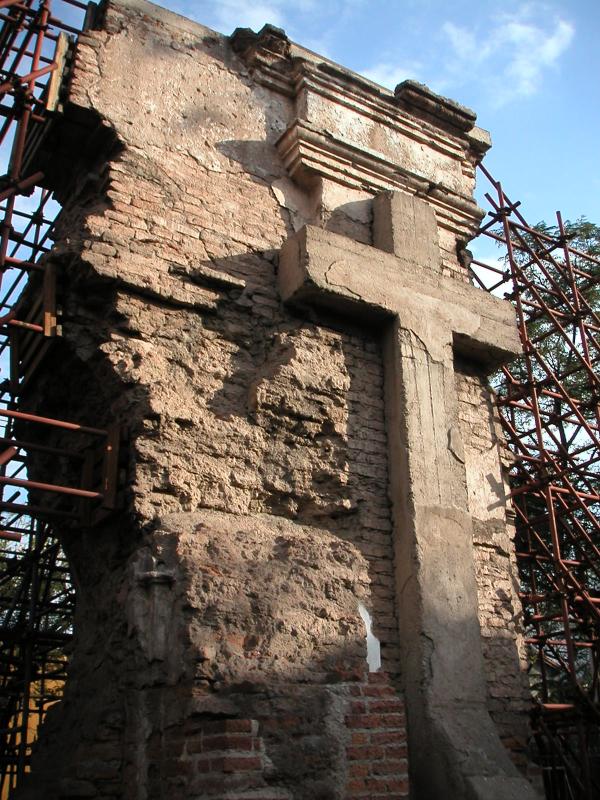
[(36, 595), (549, 404)]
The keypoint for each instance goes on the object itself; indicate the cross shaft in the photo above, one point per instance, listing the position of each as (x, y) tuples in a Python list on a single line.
[(424, 318)]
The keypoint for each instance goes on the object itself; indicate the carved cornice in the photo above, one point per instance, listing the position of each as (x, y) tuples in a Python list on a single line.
[(278, 62), (350, 130), (309, 153), (418, 99)]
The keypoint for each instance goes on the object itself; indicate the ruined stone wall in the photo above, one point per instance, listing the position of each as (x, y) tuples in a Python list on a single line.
[(245, 409), (495, 564), (220, 646)]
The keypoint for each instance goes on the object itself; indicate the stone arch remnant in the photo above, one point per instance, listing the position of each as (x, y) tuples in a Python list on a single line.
[(281, 318)]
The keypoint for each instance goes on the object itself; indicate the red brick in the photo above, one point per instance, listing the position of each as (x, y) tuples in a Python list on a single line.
[(378, 677), (355, 785), (396, 751), (236, 763), (386, 705), (390, 766), (364, 753), (375, 721), (359, 769), (378, 691), (228, 742), (388, 737)]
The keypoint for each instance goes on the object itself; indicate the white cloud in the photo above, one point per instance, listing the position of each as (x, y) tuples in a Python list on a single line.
[(507, 56), (232, 14), (512, 58), (388, 74)]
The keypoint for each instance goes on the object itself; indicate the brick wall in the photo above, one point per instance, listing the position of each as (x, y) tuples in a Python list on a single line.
[(229, 758), (377, 753), (496, 570)]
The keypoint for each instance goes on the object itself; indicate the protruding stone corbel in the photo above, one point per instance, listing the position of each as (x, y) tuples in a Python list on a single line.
[(267, 47)]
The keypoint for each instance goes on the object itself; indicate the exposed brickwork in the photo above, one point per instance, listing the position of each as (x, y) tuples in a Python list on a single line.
[(241, 759), (229, 758), (302, 401), (499, 604), (225, 758), (377, 753)]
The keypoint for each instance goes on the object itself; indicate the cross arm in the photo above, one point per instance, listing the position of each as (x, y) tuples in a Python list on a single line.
[(323, 269)]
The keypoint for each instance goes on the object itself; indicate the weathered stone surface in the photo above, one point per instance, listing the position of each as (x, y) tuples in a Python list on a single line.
[(453, 742), (406, 227), (496, 570), (256, 509), (334, 271), (270, 600)]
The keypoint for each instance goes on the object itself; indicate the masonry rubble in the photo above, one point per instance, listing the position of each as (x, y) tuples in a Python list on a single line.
[(262, 279)]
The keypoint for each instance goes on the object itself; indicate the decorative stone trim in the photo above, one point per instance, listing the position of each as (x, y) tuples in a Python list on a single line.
[(309, 153)]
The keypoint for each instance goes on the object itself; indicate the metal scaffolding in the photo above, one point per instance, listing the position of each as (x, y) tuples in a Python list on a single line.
[(36, 594), (548, 402)]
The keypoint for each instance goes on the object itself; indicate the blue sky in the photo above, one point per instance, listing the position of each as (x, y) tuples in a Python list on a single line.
[(530, 70)]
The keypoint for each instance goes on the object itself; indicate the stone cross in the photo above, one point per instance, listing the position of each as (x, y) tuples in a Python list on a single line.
[(425, 319)]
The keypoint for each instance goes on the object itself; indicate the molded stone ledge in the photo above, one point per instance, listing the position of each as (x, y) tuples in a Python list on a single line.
[(310, 154), (318, 84), (271, 47), (418, 99), (353, 132)]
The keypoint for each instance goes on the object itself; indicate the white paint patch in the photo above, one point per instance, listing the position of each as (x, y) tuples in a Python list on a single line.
[(373, 646), (302, 206)]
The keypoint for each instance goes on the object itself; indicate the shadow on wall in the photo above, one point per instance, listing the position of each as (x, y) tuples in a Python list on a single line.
[(236, 615), (291, 422), (316, 202), (243, 627)]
